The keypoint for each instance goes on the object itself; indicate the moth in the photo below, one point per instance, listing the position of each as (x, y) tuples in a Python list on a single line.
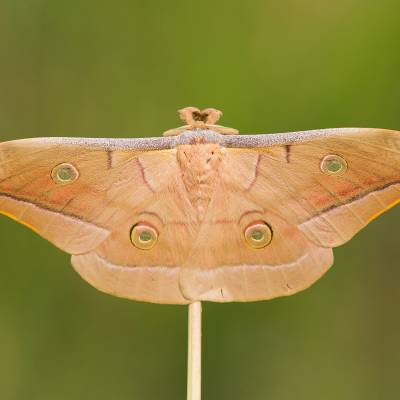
[(202, 213)]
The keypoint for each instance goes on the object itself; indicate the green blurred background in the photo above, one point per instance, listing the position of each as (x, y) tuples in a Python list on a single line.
[(122, 69)]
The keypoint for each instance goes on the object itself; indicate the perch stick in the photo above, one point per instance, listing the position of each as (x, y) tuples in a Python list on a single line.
[(194, 352)]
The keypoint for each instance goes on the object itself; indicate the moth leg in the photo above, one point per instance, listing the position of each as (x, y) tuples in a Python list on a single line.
[(223, 130), (177, 131)]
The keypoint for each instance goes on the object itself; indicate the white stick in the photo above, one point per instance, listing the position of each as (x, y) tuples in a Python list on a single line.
[(194, 352)]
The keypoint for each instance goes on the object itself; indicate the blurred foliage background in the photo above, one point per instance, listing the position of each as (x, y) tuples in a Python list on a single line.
[(122, 69)]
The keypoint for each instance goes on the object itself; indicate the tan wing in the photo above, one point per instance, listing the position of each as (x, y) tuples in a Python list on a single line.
[(280, 183), (115, 187), (309, 211), (331, 208)]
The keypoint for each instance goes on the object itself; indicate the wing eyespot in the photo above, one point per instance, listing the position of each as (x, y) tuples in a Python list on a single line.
[(258, 234), (333, 165), (64, 174), (143, 236)]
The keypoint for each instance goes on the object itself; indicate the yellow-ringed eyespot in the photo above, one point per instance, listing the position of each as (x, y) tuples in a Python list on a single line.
[(143, 236), (258, 234), (64, 174), (333, 165)]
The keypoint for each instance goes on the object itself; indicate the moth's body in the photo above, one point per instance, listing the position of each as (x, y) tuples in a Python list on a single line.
[(202, 214), (199, 166)]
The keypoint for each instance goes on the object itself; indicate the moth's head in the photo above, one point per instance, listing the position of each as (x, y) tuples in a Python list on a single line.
[(196, 119)]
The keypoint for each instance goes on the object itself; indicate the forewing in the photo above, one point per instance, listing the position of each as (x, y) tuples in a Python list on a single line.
[(330, 208)]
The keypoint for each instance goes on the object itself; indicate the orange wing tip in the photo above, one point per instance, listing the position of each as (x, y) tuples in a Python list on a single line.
[(14, 218), (378, 214)]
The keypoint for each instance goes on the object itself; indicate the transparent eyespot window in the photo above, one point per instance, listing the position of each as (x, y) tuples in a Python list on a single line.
[(144, 236), (333, 165), (258, 235), (64, 174)]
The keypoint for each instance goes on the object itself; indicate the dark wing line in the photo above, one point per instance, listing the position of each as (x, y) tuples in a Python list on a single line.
[(339, 200), (352, 199), (52, 210)]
